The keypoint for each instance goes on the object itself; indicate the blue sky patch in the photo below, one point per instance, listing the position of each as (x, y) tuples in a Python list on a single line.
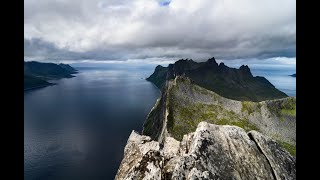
[(164, 2)]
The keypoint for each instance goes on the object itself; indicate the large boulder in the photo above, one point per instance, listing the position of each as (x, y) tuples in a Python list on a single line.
[(211, 152)]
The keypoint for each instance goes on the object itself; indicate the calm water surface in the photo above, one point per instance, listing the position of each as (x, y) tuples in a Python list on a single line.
[(279, 78), (78, 128)]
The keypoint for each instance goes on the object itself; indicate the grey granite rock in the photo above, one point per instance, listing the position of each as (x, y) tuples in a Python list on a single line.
[(222, 152), (211, 152), (282, 163)]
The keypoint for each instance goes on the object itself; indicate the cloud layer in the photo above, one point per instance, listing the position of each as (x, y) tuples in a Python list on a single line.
[(144, 29)]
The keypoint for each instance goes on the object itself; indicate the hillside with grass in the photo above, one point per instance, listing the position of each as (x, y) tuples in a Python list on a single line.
[(185, 104)]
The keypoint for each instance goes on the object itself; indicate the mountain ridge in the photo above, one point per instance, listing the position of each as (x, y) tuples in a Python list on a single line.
[(232, 83), (195, 133), (183, 104)]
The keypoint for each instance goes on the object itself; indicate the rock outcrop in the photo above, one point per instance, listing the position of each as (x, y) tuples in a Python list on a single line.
[(211, 152), (283, 165)]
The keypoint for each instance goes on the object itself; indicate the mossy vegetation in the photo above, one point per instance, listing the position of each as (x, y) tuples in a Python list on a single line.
[(185, 118), (189, 104), (247, 106), (250, 107), (290, 148), (289, 103), (154, 113), (283, 108), (245, 124), (288, 112)]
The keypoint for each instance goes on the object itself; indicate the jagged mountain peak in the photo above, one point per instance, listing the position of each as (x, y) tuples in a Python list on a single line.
[(238, 84), (159, 67), (212, 61)]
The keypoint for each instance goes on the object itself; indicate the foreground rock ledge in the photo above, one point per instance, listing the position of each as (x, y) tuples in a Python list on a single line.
[(211, 152)]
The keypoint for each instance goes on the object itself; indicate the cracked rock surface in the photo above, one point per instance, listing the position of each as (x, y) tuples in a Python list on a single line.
[(211, 152)]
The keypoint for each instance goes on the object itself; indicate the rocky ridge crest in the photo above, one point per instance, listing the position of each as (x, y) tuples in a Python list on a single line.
[(211, 152)]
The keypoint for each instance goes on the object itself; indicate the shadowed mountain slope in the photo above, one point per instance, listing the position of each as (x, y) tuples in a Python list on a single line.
[(237, 84)]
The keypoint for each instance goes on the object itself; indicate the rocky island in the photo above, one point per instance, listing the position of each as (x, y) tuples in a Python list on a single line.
[(194, 132), (37, 74)]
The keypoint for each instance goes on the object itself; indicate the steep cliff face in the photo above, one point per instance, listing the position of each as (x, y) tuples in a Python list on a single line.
[(211, 152), (184, 104), (194, 133), (238, 84)]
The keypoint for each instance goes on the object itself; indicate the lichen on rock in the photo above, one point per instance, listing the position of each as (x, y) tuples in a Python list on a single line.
[(211, 152)]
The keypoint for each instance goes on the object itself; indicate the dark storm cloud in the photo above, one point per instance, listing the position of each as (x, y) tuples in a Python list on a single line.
[(144, 29)]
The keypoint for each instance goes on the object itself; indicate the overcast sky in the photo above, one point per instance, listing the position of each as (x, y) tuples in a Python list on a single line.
[(159, 30)]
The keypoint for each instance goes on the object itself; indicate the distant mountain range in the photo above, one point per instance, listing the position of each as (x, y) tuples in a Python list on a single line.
[(237, 84), (37, 74)]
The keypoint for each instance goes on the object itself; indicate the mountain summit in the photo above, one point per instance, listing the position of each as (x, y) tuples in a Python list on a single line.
[(237, 84)]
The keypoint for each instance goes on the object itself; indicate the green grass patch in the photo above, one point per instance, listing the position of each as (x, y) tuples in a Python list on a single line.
[(288, 112), (250, 107), (245, 124), (147, 127), (290, 148), (283, 109), (186, 118), (185, 115)]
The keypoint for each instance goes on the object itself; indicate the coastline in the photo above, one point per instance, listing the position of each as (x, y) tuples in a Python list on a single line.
[(38, 87), (49, 83), (154, 85)]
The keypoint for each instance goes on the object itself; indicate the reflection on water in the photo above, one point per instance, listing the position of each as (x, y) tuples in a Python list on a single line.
[(78, 128)]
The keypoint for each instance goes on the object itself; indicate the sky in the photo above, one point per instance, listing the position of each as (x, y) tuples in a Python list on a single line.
[(160, 31)]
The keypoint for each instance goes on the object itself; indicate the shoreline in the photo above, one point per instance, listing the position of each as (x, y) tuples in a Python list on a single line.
[(37, 87), (49, 83)]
